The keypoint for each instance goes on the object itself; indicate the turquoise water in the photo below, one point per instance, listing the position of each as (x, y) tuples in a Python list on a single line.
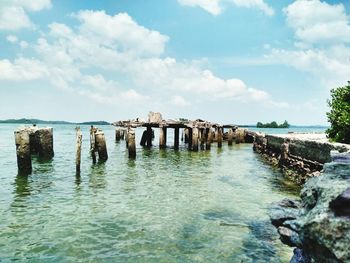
[(292, 129), (165, 206)]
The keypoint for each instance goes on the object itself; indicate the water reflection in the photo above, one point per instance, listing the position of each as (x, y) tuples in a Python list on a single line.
[(97, 177)]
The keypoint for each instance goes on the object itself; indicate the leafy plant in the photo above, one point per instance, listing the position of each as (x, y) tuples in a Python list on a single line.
[(339, 115)]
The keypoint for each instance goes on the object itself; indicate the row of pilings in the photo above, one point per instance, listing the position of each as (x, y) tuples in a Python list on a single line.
[(39, 142)]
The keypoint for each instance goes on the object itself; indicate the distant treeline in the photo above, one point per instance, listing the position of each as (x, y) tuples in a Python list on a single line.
[(37, 121), (273, 124)]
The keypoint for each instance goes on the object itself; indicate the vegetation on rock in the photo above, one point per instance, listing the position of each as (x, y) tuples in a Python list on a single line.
[(273, 124), (339, 115)]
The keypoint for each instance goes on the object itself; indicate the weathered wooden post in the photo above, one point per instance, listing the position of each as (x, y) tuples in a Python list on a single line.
[(131, 143), (149, 137), (190, 138), (45, 142), (24, 161), (219, 137), (176, 138), (195, 134), (284, 153), (202, 138), (78, 149), (93, 144), (209, 139), (101, 146), (162, 137), (117, 135), (230, 136)]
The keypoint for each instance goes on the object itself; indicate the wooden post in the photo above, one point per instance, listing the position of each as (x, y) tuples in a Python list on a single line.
[(78, 152), (117, 135), (190, 138), (176, 138), (101, 145), (24, 161), (195, 134), (44, 140), (219, 138), (93, 144), (131, 143), (162, 137), (202, 138), (230, 136), (209, 139), (240, 133)]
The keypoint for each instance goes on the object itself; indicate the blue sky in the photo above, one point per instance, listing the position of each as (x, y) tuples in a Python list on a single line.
[(232, 61)]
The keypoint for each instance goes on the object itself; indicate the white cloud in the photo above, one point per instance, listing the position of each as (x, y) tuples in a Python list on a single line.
[(215, 6), (318, 22), (22, 69), (12, 39), (211, 6), (259, 4), (179, 101), (13, 13)]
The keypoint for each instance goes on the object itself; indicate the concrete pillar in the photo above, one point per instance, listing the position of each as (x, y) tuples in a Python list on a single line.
[(230, 136), (149, 137), (101, 146), (44, 137), (209, 139), (118, 135), (187, 135), (195, 135), (219, 138), (190, 138), (79, 137), (284, 153), (240, 133), (202, 136), (131, 143), (176, 138), (144, 138), (24, 161), (162, 137)]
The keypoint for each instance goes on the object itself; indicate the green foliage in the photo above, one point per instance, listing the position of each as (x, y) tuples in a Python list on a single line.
[(273, 124), (339, 115)]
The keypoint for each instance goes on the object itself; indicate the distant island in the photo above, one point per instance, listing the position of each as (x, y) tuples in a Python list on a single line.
[(37, 121), (273, 124)]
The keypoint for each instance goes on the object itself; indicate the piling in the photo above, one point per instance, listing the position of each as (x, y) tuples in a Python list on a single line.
[(240, 133), (131, 143), (78, 149), (219, 137), (44, 138), (209, 138), (24, 161), (149, 137), (176, 138), (195, 134), (162, 137), (187, 136), (118, 135), (101, 146), (93, 143), (230, 136), (202, 134), (190, 138)]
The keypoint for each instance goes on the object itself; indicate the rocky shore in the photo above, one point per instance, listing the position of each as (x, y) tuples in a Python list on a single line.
[(318, 225)]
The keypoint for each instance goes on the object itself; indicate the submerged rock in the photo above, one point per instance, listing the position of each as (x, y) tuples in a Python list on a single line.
[(321, 228)]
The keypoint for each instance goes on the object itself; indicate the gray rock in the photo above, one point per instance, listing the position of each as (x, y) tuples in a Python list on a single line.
[(289, 237), (299, 256), (341, 205)]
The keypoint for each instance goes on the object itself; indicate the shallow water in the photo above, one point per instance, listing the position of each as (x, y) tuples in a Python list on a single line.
[(165, 206)]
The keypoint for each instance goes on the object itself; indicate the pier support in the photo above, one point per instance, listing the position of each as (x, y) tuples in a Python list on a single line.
[(93, 144), (100, 141), (176, 138), (209, 139), (131, 144), (195, 134), (240, 133), (24, 161), (219, 137), (149, 137), (187, 135), (118, 135), (230, 136), (202, 133), (78, 150), (44, 138), (162, 137)]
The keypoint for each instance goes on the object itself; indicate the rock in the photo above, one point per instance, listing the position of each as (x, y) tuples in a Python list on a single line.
[(283, 211), (289, 237), (299, 256), (341, 205)]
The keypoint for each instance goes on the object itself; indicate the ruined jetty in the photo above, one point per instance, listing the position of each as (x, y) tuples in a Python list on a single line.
[(197, 134)]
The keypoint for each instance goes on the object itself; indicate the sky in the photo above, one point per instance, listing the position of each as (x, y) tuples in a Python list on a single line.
[(228, 61)]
